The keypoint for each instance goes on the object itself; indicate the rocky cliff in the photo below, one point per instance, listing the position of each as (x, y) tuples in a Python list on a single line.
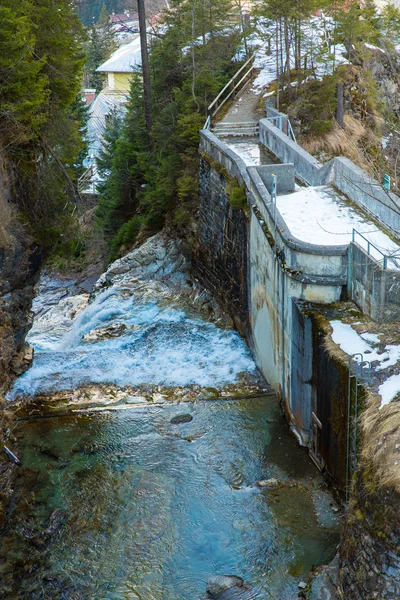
[(20, 260)]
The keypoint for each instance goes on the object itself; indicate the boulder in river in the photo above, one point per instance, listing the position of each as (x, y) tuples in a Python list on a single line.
[(268, 483), (218, 584), (179, 419), (113, 330)]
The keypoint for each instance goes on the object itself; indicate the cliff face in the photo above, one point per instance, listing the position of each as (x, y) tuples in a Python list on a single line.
[(370, 549), (20, 261), (19, 267)]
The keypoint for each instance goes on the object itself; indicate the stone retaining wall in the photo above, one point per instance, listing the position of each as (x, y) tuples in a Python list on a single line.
[(221, 260)]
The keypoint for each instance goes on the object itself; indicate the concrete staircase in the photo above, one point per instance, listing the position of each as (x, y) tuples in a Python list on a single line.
[(226, 129)]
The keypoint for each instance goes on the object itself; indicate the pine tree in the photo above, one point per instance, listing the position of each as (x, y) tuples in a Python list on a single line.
[(189, 64), (353, 28), (41, 121), (22, 82), (99, 47)]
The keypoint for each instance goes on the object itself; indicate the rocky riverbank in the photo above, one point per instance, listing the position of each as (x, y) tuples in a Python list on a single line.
[(20, 260)]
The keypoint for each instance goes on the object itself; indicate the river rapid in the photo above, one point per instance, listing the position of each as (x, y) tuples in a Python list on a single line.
[(144, 431)]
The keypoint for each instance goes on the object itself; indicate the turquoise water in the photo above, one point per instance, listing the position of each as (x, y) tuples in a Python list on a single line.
[(115, 501), (149, 510)]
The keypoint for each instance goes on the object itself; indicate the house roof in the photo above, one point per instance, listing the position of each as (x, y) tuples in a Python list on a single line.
[(124, 60), (123, 17), (101, 106)]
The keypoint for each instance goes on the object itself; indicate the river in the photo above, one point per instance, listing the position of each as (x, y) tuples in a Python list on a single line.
[(143, 428)]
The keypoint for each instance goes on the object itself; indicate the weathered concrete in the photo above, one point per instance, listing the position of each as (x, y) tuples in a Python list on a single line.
[(256, 267), (375, 290), (365, 191), (308, 168), (281, 281), (285, 177)]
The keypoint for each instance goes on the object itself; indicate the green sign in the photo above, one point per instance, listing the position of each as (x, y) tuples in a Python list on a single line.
[(386, 182)]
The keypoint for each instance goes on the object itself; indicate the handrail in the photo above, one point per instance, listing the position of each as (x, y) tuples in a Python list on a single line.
[(207, 124), (216, 105), (290, 132), (252, 57), (369, 244)]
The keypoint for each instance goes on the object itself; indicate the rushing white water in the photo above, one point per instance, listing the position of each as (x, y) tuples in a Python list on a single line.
[(159, 344)]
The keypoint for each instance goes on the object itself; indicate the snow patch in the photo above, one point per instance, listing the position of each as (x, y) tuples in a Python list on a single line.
[(371, 47), (389, 389), (319, 215), (352, 343)]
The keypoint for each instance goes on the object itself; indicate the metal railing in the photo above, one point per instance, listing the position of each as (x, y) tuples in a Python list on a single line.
[(281, 120), (362, 370), (233, 87), (369, 246)]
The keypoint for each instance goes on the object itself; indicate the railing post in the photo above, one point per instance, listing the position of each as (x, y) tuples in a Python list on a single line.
[(273, 198)]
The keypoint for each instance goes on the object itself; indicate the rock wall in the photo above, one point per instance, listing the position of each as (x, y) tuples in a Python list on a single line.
[(370, 550), (221, 261), (20, 260)]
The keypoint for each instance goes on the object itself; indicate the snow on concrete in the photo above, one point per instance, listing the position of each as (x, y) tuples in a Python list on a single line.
[(248, 151), (351, 342), (320, 215)]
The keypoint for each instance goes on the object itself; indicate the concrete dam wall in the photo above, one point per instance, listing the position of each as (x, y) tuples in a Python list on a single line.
[(266, 279), (279, 290)]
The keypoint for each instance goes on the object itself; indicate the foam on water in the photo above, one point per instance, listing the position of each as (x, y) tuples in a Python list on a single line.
[(161, 345)]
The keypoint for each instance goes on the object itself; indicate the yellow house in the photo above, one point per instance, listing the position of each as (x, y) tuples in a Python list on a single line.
[(119, 67)]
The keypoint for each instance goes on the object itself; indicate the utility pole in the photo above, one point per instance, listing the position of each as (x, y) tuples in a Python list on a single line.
[(145, 72)]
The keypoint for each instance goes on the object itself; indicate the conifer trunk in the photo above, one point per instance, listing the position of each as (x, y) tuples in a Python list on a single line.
[(145, 72), (340, 105)]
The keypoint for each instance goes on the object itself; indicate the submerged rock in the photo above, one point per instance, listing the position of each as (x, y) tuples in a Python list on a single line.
[(179, 419), (218, 584), (326, 584), (56, 521), (268, 483)]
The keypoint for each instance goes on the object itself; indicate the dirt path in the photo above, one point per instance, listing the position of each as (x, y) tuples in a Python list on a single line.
[(244, 108)]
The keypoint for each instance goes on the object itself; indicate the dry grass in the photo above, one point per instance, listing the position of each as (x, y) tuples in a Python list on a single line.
[(380, 451), (381, 440), (343, 142)]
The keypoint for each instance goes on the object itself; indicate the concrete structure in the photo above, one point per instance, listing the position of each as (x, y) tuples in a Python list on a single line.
[(264, 275)]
